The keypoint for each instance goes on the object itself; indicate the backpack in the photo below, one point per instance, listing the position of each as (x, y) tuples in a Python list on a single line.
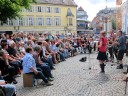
[(83, 59)]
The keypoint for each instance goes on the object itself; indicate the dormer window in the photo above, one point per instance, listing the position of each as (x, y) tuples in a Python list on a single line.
[(46, 0), (69, 13), (63, 1)]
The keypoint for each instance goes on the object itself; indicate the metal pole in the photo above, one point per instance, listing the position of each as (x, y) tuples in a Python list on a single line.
[(106, 24)]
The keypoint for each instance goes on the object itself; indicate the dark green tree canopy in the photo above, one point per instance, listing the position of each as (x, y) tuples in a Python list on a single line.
[(10, 9)]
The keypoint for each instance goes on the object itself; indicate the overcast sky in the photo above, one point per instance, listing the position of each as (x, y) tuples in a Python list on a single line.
[(93, 6)]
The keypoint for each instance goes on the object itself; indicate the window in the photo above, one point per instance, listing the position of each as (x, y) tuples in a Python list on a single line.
[(101, 18), (48, 21), (10, 22), (39, 21), (70, 21), (48, 9), (39, 9), (57, 21), (63, 1), (30, 21), (57, 10), (31, 9), (20, 22)]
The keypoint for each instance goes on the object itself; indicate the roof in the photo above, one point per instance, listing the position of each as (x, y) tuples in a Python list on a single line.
[(107, 11), (80, 9), (58, 2), (80, 16)]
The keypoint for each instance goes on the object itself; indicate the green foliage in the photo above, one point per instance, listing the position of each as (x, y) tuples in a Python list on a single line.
[(10, 9), (114, 24)]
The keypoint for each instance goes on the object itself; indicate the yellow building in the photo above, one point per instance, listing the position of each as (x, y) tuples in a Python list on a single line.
[(49, 16)]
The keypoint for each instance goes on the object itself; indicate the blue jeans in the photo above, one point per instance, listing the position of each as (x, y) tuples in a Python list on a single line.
[(46, 70), (61, 56), (66, 53), (40, 75), (49, 61), (9, 89)]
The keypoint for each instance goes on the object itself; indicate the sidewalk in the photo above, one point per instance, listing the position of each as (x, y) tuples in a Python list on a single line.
[(73, 78)]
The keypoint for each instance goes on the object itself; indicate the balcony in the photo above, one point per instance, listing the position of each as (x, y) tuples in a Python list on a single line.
[(82, 27)]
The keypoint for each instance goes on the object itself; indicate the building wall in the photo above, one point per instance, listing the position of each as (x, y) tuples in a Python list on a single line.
[(125, 17), (33, 19), (99, 23)]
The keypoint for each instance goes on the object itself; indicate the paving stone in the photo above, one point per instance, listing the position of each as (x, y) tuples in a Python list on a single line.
[(74, 78)]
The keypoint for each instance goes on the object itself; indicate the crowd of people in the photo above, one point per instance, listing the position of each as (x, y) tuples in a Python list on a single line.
[(34, 53)]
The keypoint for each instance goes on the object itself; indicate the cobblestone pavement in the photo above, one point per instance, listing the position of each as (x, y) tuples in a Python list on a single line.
[(73, 78)]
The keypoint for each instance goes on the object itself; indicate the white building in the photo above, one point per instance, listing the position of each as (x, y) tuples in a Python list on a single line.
[(82, 14), (125, 17), (82, 21)]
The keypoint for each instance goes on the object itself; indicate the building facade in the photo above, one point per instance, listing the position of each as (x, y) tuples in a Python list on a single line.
[(49, 16), (82, 21), (104, 21), (97, 24), (125, 17)]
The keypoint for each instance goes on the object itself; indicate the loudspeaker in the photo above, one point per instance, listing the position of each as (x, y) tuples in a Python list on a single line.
[(9, 32)]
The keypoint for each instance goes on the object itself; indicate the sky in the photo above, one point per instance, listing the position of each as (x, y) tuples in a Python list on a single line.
[(92, 7)]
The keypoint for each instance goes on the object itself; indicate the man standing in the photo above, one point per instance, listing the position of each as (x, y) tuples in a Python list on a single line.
[(122, 47)]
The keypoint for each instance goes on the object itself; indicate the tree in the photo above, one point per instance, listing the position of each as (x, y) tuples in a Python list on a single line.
[(114, 24), (10, 9)]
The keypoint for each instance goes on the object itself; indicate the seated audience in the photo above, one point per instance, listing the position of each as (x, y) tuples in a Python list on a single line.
[(29, 66)]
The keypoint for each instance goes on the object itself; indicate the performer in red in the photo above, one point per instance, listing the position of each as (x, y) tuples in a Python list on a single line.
[(102, 50)]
